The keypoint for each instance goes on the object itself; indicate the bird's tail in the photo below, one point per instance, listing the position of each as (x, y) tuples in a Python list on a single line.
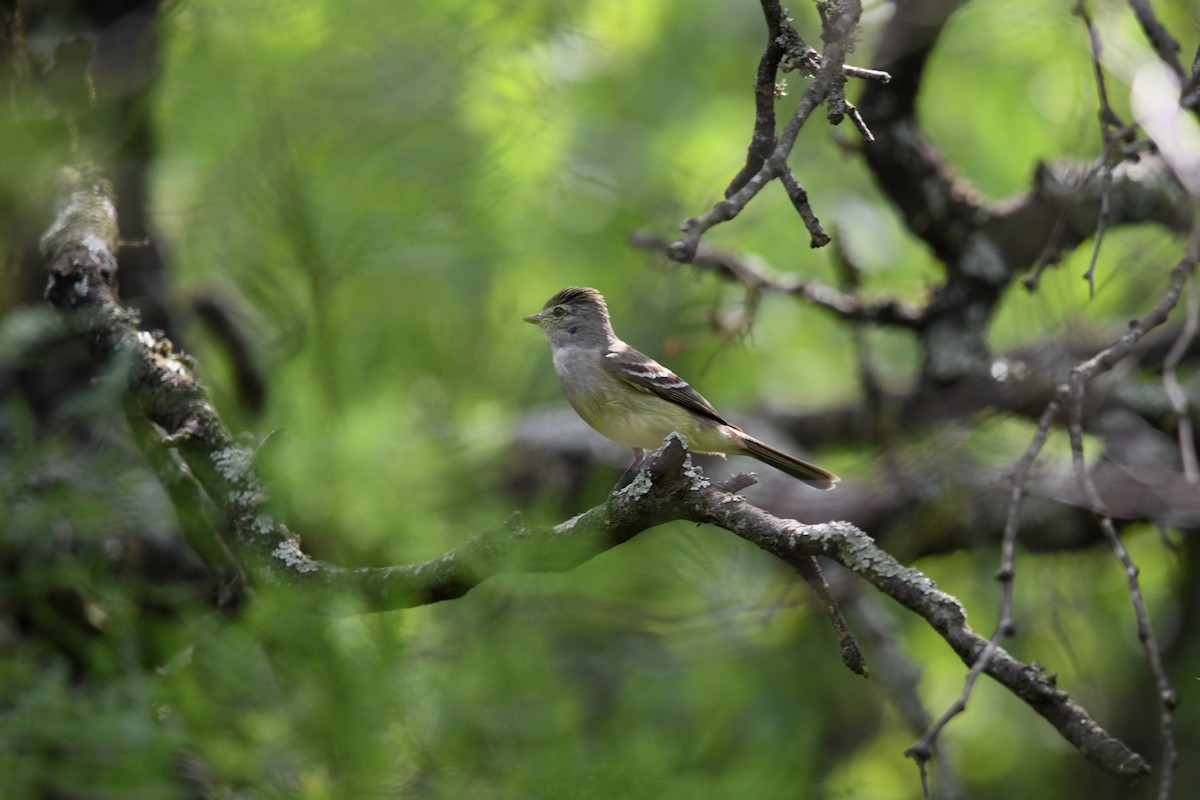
[(801, 470)]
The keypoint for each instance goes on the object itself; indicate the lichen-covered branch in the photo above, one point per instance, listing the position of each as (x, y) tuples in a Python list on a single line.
[(80, 252)]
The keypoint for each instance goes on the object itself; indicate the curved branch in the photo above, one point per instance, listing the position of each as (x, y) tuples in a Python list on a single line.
[(984, 245), (80, 252), (669, 488), (890, 312), (846, 544)]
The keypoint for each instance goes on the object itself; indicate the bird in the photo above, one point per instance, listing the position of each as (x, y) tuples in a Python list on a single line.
[(636, 402)]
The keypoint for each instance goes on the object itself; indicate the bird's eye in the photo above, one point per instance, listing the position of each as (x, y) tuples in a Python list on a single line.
[(557, 311)]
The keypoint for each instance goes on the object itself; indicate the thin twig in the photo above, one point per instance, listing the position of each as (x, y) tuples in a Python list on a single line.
[(1101, 225), (799, 198), (923, 749), (857, 118), (1106, 358), (785, 51), (867, 74), (852, 657), (1051, 254), (838, 34), (1178, 398), (1115, 134), (1071, 395), (1167, 696), (892, 312), (762, 140)]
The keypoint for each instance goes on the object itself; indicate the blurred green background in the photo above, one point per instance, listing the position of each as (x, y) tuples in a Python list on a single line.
[(387, 188)]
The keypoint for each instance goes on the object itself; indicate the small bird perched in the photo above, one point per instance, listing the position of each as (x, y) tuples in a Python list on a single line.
[(635, 401)]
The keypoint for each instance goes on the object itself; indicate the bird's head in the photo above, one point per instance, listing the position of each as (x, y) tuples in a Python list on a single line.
[(574, 314)]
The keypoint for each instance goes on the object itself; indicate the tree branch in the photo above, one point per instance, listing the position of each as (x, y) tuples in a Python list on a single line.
[(855, 550), (785, 51), (984, 245), (840, 21), (80, 253), (757, 279)]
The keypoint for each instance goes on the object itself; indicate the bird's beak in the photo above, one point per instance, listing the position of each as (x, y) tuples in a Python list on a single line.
[(536, 319)]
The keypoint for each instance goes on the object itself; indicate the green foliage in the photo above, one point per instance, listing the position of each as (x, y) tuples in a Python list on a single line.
[(386, 188)]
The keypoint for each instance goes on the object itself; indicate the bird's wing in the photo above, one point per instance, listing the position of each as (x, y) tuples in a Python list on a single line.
[(644, 373)]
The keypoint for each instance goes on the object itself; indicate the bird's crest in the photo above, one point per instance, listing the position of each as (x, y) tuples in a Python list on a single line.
[(575, 294)]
